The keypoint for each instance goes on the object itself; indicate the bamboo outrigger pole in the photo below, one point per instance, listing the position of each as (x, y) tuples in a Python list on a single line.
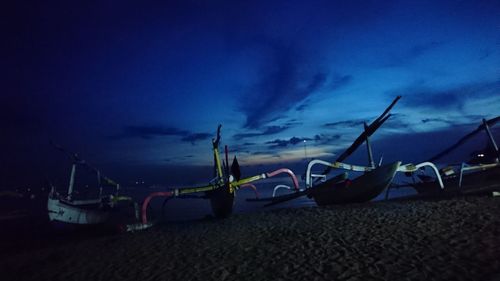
[(492, 140), (369, 148), (486, 123), (78, 161), (369, 130)]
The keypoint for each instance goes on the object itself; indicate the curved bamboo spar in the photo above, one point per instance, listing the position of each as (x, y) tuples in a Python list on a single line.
[(410, 168), (335, 165), (287, 171), (268, 175), (252, 187), (144, 208), (278, 187)]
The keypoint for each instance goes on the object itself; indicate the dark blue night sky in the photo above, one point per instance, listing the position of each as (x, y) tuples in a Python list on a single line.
[(131, 85)]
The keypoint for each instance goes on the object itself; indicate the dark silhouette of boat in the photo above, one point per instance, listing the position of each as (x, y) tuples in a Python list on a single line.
[(483, 179), (361, 189), (472, 177), (340, 189)]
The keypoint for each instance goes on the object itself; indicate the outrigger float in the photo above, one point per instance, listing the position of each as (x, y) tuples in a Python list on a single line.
[(66, 209)]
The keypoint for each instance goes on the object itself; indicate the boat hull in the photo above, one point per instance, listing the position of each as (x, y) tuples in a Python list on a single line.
[(361, 189), (479, 180), (64, 212), (222, 201)]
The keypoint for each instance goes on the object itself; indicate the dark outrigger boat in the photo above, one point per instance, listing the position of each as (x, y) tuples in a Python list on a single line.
[(340, 189), (476, 176), (361, 189)]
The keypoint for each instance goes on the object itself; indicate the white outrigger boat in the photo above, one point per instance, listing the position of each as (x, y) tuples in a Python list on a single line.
[(67, 209)]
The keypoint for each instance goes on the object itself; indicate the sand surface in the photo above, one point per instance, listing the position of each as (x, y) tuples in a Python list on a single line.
[(456, 239)]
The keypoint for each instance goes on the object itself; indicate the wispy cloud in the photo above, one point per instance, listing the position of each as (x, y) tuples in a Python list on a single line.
[(332, 83), (326, 138), (289, 77), (397, 124), (412, 53), (287, 81), (269, 130), (290, 155), (345, 123), (485, 53), (193, 138), (302, 107), (149, 132), (242, 148), (338, 81), (437, 120), (421, 49), (277, 143), (261, 153), (448, 98)]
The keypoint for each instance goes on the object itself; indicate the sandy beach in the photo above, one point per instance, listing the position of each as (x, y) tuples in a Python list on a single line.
[(456, 239)]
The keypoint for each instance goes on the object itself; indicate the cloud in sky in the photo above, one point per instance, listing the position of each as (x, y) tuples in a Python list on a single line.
[(269, 130), (345, 123), (193, 138), (334, 82), (439, 120), (452, 97), (406, 56), (289, 84), (326, 138), (150, 132), (286, 80), (338, 81), (292, 155), (277, 143), (246, 147)]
